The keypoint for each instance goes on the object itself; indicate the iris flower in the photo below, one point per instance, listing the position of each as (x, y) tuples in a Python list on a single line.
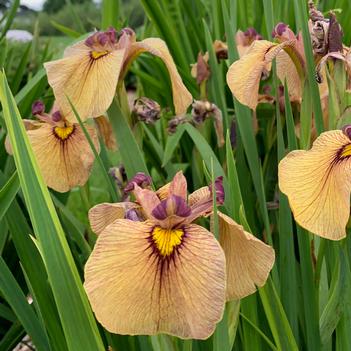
[(90, 70), (153, 270), (61, 149), (317, 183)]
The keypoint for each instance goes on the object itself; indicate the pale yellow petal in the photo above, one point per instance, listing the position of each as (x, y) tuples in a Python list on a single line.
[(100, 216), (90, 84), (249, 260), (133, 291), (181, 96), (317, 183), (286, 70), (244, 75), (63, 164)]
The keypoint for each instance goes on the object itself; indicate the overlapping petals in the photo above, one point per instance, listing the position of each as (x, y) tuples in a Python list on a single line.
[(318, 182), (244, 75)]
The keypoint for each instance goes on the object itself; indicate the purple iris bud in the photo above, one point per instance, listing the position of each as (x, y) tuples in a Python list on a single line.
[(279, 29), (111, 33), (132, 215), (219, 190), (38, 108), (141, 179), (347, 130), (103, 38), (56, 116), (175, 205)]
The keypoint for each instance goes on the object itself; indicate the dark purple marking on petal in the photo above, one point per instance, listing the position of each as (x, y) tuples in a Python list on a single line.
[(111, 33), (132, 215), (90, 40), (140, 179), (250, 32), (219, 190), (347, 130), (56, 116), (103, 38), (38, 107), (279, 29), (174, 205)]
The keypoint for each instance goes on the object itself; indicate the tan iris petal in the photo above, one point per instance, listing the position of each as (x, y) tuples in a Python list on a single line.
[(89, 83), (147, 199), (199, 195), (249, 260), (286, 70), (64, 164), (100, 216), (133, 291), (244, 75), (181, 96), (178, 186), (317, 183)]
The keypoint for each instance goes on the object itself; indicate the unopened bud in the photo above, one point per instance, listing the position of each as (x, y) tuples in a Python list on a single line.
[(38, 108), (219, 190), (140, 179), (146, 110)]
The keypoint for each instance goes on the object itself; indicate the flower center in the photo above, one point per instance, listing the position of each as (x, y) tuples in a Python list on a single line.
[(167, 239), (63, 132), (98, 54)]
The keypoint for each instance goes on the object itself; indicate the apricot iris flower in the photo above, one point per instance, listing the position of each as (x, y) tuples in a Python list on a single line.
[(153, 270), (62, 151), (90, 70), (317, 183)]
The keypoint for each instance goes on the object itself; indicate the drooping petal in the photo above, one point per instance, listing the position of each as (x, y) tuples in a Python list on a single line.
[(181, 96), (89, 83), (105, 130), (64, 163), (249, 260), (134, 290), (244, 75), (318, 182), (100, 216)]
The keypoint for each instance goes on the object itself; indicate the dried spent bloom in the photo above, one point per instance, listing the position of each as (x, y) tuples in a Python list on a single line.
[(146, 110), (63, 154), (175, 122), (317, 183), (202, 110), (201, 69), (244, 75), (153, 270), (90, 70)]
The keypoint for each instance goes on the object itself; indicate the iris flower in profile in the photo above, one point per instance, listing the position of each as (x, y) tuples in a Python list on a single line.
[(317, 183), (63, 154), (153, 270), (90, 70)]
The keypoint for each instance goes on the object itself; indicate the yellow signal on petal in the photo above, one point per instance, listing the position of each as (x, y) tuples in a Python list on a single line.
[(63, 132), (346, 151), (97, 54), (167, 239)]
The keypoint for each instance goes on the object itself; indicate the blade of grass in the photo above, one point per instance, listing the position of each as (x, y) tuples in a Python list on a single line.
[(77, 319), (10, 17), (14, 296), (8, 193), (110, 12)]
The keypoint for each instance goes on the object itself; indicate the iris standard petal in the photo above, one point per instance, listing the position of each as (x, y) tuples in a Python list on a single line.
[(89, 82), (318, 182), (100, 216), (244, 75), (64, 157), (135, 290), (147, 199), (181, 96), (249, 260)]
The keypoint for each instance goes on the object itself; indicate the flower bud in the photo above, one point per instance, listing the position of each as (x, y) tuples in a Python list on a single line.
[(146, 110), (38, 108), (219, 190), (56, 116), (140, 179)]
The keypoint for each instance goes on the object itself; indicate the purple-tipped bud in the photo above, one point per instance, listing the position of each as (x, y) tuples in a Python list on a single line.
[(279, 29), (347, 130), (56, 116), (38, 108), (219, 190), (140, 179), (103, 38), (132, 215)]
